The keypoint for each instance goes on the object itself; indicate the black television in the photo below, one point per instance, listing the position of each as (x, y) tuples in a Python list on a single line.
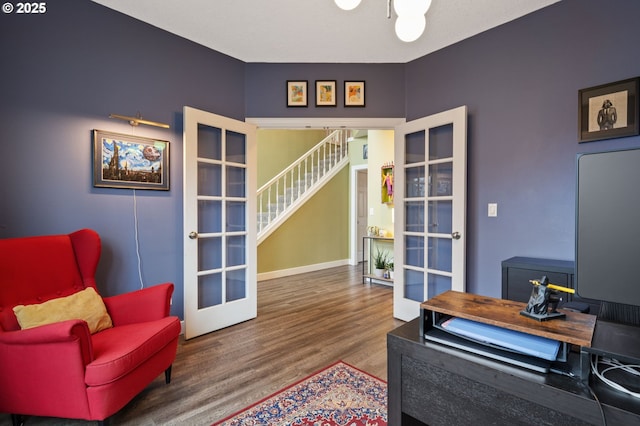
[(608, 233)]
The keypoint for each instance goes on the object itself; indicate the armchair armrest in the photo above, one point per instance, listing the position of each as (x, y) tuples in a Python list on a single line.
[(42, 366), (68, 333), (148, 304)]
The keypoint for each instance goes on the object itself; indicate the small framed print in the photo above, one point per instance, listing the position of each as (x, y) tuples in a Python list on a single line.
[(325, 93), (297, 93), (354, 93), (608, 111)]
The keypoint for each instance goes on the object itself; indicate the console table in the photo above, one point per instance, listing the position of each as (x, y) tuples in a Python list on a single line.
[(367, 268), (433, 384)]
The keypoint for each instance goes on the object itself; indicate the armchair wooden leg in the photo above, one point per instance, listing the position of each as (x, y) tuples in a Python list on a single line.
[(167, 375), (17, 420)]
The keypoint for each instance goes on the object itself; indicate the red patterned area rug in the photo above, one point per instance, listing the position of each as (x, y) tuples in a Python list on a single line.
[(336, 396)]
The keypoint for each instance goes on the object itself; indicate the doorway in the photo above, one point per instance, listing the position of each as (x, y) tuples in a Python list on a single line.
[(359, 200), (354, 240)]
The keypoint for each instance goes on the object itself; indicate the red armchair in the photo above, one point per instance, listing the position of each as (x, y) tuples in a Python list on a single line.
[(61, 369)]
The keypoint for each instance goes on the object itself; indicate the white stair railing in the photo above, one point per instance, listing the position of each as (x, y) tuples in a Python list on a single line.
[(288, 190)]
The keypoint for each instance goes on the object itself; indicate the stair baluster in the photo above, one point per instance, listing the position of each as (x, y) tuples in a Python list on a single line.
[(288, 190)]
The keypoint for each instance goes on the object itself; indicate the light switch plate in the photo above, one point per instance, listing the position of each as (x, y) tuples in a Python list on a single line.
[(492, 210)]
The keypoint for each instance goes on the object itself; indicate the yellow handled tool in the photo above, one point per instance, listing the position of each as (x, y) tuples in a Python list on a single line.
[(555, 287)]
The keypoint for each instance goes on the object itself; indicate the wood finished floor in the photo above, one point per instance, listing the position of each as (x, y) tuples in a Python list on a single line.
[(305, 323)]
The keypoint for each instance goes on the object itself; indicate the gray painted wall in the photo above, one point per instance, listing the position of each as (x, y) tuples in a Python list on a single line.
[(62, 74), (384, 89), (520, 82)]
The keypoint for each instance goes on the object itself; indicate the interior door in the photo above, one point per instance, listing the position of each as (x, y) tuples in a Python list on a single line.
[(220, 277), (430, 201)]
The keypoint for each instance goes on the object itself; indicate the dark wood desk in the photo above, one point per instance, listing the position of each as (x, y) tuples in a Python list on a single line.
[(437, 385), (576, 329)]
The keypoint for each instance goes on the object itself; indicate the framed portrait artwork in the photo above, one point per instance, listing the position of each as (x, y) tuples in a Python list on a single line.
[(325, 93), (126, 161), (297, 93), (354, 93), (608, 111)]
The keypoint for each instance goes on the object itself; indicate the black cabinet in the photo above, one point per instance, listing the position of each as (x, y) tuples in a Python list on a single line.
[(431, 384), (517, 271)]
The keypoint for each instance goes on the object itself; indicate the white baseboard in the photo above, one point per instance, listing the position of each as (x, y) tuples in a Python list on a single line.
[(301, 269)]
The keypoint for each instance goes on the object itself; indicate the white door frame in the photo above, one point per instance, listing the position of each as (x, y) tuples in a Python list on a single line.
[(321, 123)]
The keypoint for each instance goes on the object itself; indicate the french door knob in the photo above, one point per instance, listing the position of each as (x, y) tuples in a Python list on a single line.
[(455, 235), (193, 235)]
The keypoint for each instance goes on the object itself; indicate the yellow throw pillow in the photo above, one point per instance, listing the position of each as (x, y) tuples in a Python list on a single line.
[(85, 305)]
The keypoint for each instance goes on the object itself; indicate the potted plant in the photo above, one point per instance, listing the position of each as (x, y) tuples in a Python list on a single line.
[(390, 268), (380, 260)]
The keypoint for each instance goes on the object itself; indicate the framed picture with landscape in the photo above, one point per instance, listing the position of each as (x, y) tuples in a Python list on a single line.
[(133, 162), (608, 111)]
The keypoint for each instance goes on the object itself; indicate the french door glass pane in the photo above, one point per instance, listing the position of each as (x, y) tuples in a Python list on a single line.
[(236, 250), (414, 285), (414, 250), (236, 285), (440, 179), (414, 147), (236, 216), (235, 181), (438, 284), (414, 216), (439, 254), (209, 290), (209, 179), (209, 253), (209, 142), (236, 148), (440, 217), (441, 142), (414, 181), (209, 216)]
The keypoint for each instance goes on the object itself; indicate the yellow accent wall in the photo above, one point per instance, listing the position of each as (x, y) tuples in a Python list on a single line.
[(318, 232), (380, 153), (277, 149)]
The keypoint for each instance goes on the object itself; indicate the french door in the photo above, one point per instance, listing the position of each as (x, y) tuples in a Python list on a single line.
[(430, 209), (220, 277)]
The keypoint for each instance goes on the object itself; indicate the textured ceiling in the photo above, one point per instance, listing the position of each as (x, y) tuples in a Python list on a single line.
[(302, 31)]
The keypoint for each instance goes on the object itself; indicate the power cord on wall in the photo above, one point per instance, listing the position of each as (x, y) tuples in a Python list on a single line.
[(135, 225)]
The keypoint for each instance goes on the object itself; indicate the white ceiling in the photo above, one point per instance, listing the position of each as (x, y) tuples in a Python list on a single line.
[(303, 31)]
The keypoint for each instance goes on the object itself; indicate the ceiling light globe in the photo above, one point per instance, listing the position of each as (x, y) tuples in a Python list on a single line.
[(410, 28), (347, 4), (411, 7)]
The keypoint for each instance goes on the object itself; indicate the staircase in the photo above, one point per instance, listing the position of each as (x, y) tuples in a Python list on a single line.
[(279, 198)]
